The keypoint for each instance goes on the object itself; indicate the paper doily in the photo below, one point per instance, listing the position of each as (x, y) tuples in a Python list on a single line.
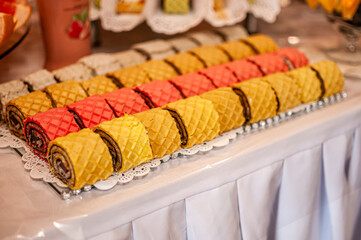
[(39, 169), (234, 11)]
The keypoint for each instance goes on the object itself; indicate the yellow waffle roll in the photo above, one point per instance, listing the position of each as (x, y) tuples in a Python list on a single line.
[(158, 70), (18, 109), (261, 43), (80, 159), (287, 91), (258, 99), (99, 85), (308, 82), (186, 63), (228, 106), (162, 131), (237, 50), (197, 119), (211, 55), (127, 141), (65, 93), (131, 76), (331, 76)]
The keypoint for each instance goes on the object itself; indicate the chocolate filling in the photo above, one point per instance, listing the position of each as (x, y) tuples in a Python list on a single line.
[(277, 99), (114, 149), (115, 80), (223, 36), (258, 66), (48, 95), (61, 165), (180, 125), (144, 53), (15, 119), (28, 85), (244, 101), (173, 66), (254, 49), (234, 74), (36, 138), (198, 43), (175, 50), (288, 63), (199, 58), (179, 90), (77, 119), (147, 99), (230, 58), (323, 89), (208, 77)]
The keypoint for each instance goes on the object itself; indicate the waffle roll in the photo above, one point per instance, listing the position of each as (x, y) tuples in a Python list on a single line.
[(162, 130), (186, 63), (100, 84), (65, 93), (243, 70), (159, 70), (158, 93), (287, 91), (232, 33), (330, 76), (221, 76), (237, 49), (127, 141), (211, 55), (269, 63), (125, 100), (192, 84), (44, 127), (77, 71), (258, 99), (156, 49), (91, 111), (196, 118), (18, 109), (39, 80), (101, 63), (80, 159), (182, 44), (176, 6), (228, 106), (129, 58), (131, 76), (296, 58), (260, 43)]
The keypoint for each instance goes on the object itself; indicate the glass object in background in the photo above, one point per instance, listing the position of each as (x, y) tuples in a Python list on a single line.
[(66, 31)]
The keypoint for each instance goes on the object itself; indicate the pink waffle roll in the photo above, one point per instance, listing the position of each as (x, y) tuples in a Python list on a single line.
[(221, 76), (244, 70)]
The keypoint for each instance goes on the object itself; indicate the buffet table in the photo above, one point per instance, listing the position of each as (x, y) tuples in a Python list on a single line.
[(298, 180)]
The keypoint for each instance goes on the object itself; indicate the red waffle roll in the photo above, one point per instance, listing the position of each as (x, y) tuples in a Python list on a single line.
[(269, 63), (192, 84), (221, 76), (44, 127), (125, 100), (158, 93), (297, 58), (243, 70), (91, 111)]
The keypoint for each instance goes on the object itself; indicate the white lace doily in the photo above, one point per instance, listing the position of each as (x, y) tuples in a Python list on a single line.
[(265, 9), (161, 22), (234, 11), (39, 169)]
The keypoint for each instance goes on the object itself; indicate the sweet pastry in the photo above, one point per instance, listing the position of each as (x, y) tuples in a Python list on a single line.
[(204, 38), (129, 58), (101, 63), (44, 127), (91, 111), (125, 100), (100, 84), (182, 44), (260, 43), (77, 71), (287, 91), (80, 159), (308, 82), (269, 63), (196, 118), (228, 106), (131, 76), (159, 70), (65, 93), (186, 62), (11, 90), (127, 141), (232, 33), (243, 70), (162, 130), (297, 58), (130, 6), (176, 6), (192, 84), (221, 76), (210, 55), (330, 75), (237, 49), (158, 93), (258, 99), (156, 49), (39, 80), (18, 109)]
